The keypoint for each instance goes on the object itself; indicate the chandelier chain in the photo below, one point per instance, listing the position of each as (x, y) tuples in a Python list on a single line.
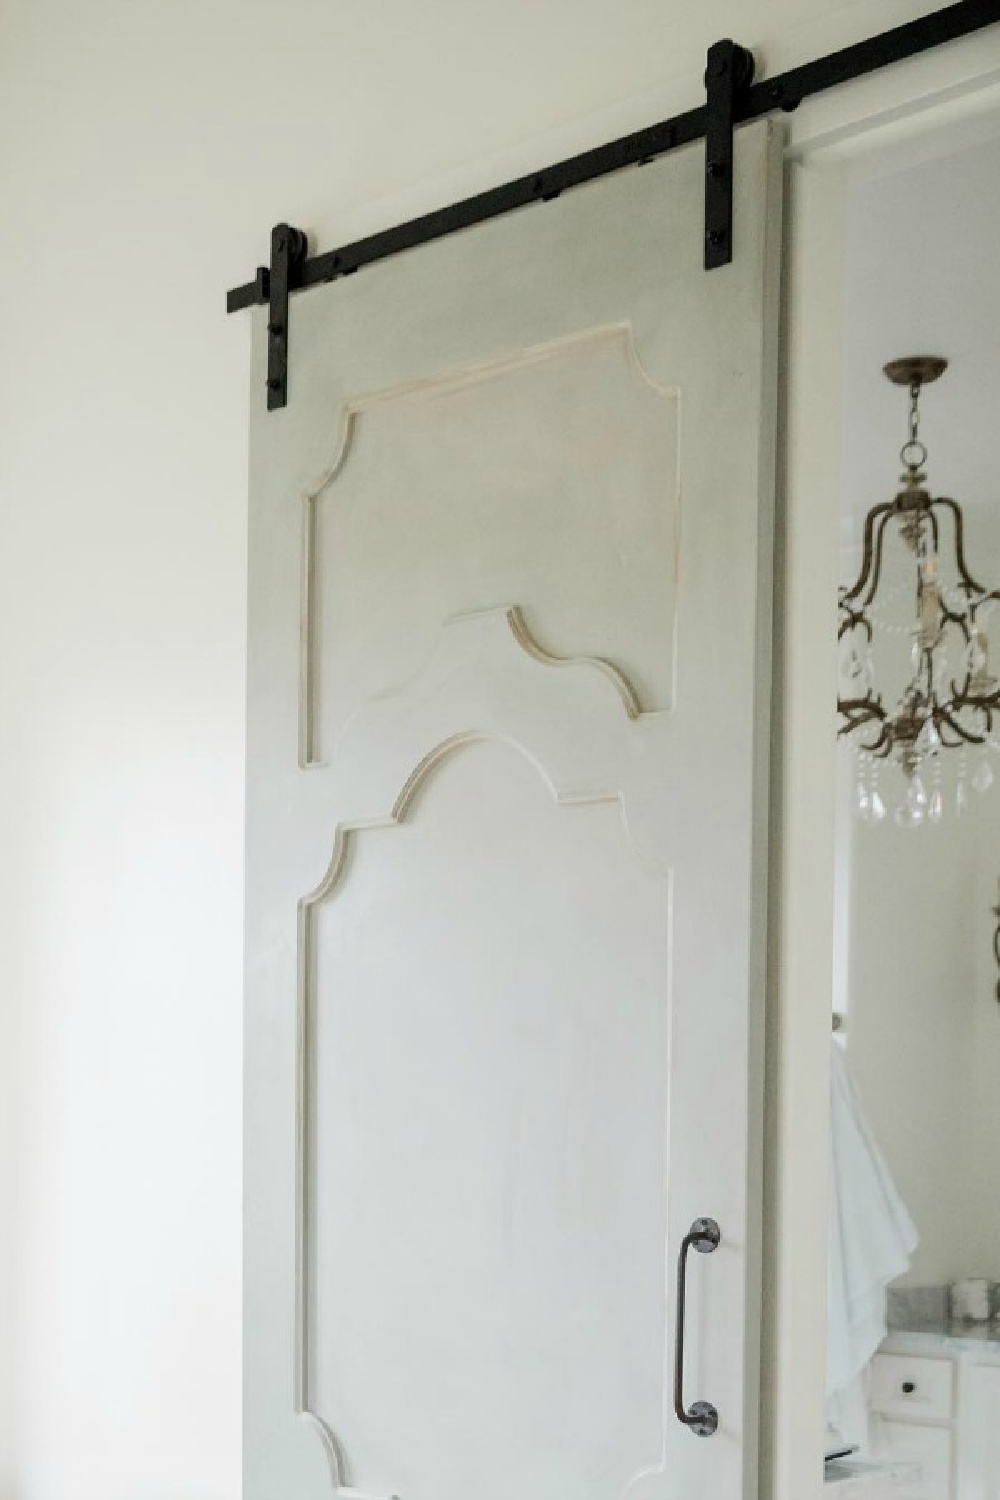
[(913, 452)]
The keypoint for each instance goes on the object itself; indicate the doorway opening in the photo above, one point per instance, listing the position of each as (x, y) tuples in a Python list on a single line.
[(891, 235)]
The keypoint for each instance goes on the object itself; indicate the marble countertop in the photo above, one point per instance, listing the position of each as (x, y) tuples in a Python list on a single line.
[(864, 1479), (944, 1333)]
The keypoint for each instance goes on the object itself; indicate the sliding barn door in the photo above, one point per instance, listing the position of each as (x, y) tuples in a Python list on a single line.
[(508, 714)]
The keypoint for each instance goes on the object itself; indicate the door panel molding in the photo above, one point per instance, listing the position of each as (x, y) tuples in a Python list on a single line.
[(574, 723), (557, 796), (515, 431)]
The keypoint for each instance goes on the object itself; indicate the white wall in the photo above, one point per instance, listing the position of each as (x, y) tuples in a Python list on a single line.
[(924, 1028), (914, 998), (924, 1025), (145, 148)]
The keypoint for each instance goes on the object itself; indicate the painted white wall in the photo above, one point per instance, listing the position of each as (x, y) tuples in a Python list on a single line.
[(914, 999), (145, 148), (924, 1026)]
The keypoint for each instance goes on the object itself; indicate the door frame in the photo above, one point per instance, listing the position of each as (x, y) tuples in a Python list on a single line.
[(830, 140)]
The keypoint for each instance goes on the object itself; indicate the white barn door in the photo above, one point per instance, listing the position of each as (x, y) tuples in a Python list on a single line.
[(508, 720)]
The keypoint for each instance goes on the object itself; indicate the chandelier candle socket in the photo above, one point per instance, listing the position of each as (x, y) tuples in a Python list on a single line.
[(949, 696)]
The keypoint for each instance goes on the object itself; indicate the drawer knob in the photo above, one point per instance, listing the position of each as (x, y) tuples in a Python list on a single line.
[(909, 1387)]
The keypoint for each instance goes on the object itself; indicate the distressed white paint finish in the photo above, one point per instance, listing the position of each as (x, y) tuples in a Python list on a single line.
[(507, 774), (497, 1070), (575, 427)]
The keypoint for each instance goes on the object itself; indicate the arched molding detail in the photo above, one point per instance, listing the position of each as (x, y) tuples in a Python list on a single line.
[(349, 421), (573, 721)]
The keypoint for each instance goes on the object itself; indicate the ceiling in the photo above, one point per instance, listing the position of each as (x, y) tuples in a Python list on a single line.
[(922, 275)]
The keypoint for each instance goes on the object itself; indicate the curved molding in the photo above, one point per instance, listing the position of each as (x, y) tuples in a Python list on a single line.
[(572, 720), (332, 1450), (527, 642), (618, 336), (487, 678), (475, 373)]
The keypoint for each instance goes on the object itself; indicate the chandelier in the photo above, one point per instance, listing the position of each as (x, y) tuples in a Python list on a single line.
[(917, 619)]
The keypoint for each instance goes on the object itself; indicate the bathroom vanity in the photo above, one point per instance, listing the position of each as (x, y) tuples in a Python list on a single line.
[(934, 1397)]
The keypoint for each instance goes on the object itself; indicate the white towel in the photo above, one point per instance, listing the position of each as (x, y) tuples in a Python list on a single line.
[(871, 1240)]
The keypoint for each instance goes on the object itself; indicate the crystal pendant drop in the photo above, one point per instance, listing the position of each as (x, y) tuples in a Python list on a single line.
[(935, 809), (857, 671), (863, 801), (877, 806), (961, 797), (975, 656), (982, 776), (928, 740), (910, 813)]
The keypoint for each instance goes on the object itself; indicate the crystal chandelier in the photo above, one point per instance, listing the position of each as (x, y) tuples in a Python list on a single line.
[(923, 613)]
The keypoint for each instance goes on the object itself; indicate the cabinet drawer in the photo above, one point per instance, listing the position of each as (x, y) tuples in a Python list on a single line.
[(929, 1449), (904, 1385)]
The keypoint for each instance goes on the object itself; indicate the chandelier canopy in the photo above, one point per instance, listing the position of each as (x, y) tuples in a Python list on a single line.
[(948, 696)]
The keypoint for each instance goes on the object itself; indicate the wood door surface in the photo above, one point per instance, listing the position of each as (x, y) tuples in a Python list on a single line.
[(507, 762)]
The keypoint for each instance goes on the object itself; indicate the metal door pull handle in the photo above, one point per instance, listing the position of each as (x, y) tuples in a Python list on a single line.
[(703, 1419)]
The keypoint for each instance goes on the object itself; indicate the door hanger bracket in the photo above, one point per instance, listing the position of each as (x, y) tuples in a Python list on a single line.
[(728, 74), (288, 251)]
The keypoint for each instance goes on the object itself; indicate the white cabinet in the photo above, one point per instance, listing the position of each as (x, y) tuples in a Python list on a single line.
[(911, 1401), (911, 1388), (979, 1431), (929, 1449), (935, 1404)]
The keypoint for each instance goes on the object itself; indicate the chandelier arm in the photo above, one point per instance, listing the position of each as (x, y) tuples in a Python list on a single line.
[(881, 746), (856, 619), (948, 744), (963, 736), (987, 705), (866, 561), (856, 712), (929, 677), (871, 707), (949, 617), (876, 568), (982, 708), (961, 694), (986, 598), (956, 510)]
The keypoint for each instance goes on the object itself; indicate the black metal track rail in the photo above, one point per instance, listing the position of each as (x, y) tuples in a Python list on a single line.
[(785, 91)]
